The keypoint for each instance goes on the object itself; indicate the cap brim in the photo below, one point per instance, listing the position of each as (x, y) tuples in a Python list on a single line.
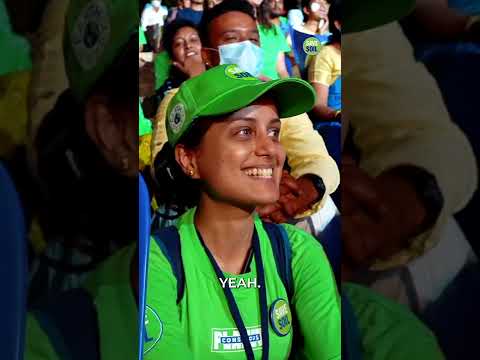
[(369, 14), (292, 97)]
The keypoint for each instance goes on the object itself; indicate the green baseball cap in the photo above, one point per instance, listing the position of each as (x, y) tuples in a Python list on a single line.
[(369, 14), (96, 32), (227, 88)]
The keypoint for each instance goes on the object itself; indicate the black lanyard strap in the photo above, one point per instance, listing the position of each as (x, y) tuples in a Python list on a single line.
[(232, 305)]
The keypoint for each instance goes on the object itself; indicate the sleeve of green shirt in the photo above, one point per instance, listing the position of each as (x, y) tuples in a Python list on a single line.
[(142, 40), (161, 298), (284, 47), (316, 300), (389, 330)]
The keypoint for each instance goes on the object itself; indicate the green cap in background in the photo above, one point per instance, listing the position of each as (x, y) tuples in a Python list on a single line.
[(227, 88), (15, 54), (96, 32), (369, 14)]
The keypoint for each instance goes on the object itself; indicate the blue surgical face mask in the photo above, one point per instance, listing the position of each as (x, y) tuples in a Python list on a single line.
[(245, 54)]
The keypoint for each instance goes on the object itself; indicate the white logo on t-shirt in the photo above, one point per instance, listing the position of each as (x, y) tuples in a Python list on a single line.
[(229, 340)]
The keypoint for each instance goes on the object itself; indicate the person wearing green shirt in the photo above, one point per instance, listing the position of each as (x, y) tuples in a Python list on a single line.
[(91, 138), (142, 40), (224, 143), (273, 39)]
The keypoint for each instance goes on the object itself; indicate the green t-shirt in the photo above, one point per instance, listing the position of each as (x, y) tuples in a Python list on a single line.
[(273, 42), (162, 68), (389, 331), (116, 311), (15, 48), (144, 125), (201, 326), (142, 40)]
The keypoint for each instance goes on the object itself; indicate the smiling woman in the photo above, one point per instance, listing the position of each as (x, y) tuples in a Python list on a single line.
[(181, 41), (225, 140)]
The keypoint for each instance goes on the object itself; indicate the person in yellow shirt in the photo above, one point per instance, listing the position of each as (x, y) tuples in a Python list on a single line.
[(15, 74), (404, 165), (325, 70)]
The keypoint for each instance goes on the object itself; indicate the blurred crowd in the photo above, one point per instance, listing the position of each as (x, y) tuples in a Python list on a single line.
[(387, 183)]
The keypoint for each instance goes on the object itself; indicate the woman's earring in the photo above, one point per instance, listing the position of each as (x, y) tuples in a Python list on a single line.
[(190, 173)]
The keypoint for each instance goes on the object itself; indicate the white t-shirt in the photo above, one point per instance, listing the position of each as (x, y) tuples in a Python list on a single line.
[(151, 17)]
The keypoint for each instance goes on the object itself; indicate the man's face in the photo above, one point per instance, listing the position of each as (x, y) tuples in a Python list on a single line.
[(229, 28)]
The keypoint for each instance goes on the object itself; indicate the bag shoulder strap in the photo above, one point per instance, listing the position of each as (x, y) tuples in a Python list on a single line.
[(282, 251), (169, 241), (71, 324)]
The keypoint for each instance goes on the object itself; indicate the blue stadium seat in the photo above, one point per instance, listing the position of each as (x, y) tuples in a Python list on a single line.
[(330, 238), (144, 241), (13, 269), (331, 132)]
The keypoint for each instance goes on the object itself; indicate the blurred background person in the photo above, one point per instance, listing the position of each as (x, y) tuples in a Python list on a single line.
[(396, 166), (86, 156), (152, 20), (325, 70), (190, 11), (182, 43), (273, 38), (316, 15)]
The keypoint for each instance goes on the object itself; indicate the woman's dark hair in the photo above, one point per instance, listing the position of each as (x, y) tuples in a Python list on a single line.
[(335, 14), (224, 7), (305, 4), (264, 14), (169, 33), (174, 188)]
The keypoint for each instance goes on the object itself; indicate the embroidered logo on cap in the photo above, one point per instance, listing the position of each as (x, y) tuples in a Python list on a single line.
[(177, 118), (153, 329), (234, 72), (91, 33)]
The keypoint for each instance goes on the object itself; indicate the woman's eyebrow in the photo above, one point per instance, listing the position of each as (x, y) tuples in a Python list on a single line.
[(251, 119)]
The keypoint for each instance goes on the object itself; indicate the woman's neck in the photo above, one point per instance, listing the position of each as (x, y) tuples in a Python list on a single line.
[(226, 231)]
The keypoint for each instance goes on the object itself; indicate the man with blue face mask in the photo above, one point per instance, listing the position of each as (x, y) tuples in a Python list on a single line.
[(232, 40), (238, 40)]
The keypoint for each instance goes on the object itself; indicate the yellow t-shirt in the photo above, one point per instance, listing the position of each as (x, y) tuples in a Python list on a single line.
[(398, 115), (13, 106), (326, 66)]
